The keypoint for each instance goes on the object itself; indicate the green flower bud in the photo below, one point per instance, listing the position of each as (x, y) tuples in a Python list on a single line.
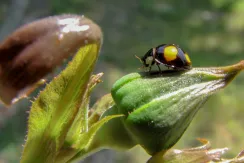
[(159, 107)]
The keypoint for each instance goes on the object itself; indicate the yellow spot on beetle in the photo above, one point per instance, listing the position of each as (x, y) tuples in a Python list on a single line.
[(187, 58), (170, 53)]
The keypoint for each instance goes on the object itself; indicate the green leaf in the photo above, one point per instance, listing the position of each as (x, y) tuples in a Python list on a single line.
[(158, 107), (92, 131), (86, 146), (113, 134), (53, 112), (103, 104), (84, 140), (80, 123)]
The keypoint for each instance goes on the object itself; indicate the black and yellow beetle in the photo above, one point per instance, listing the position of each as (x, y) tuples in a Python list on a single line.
[(169, 55)]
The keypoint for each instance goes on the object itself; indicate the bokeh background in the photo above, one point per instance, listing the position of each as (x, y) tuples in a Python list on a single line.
[(211, 31)]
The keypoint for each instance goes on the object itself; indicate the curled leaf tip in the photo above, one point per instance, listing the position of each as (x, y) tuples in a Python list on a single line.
[(97, 77), (233, 68), (238, 66), (230, 72), (94, 80), (225, 69)]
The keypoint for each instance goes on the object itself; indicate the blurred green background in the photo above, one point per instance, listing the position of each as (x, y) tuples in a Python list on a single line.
[(211, 31)]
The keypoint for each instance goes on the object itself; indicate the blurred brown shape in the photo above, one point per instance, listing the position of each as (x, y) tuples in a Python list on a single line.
[(35, 49), (201, 154)]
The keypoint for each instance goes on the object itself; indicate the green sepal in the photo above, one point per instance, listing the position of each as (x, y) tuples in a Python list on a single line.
[(86, 144), (96, 111), (79, 142), (113, 134)]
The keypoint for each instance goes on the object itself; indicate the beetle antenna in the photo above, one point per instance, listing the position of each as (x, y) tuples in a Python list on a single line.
[(139, 59)]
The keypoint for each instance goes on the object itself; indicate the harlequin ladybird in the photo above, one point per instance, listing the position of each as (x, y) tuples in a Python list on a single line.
[(169, 55)]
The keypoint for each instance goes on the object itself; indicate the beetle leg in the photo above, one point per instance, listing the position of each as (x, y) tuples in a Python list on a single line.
[(158, 63), (159, 68), (150, 67)]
